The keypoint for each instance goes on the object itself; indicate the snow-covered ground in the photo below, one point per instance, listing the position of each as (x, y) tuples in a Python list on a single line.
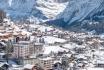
[(53, 40), (82, 48), (53, 49), (95, 68)]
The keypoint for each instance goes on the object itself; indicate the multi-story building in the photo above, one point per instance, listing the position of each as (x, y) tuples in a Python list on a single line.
[(21, 49), (31, 61), (46, 63), (24, 49), (36, 49), (2, 55)]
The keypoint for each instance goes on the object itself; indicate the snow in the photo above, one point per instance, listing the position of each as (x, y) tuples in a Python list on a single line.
[(16, 67), (69, 46), (33, 56), (3, 43), (52, 40), (95, 69), (78, 10), (40, 10), (81, 56), (12, 63), (32, 38), (47, 58), (24, 32), (1, 34), (99, 53), (2, 53), (21, 9), (51, 9), (72, 46), (10, 2), (2, 63), (55, 49), (24, 42), (68, 55), (28, 66), (100, 61), (42, 28), (15, 33), (57, 61), (101, 35)]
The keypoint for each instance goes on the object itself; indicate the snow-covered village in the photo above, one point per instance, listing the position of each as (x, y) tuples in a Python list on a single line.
[(51, 34), (31, 46)]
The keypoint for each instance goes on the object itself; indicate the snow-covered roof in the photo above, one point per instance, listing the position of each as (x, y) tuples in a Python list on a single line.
[(81, 56), (99, 53), (68, 55), (2, 53), (73, 45), (55, 49), (52, 40), (32, 56), (15, 33), (100, 61), (69, 46), (24, 42), (95, 69), (16, 67), (44, 28), (24, 32), (3, 43), (28, 66), (57, 61), (2, 63), (80, 46), (1, 34), (47, 58)]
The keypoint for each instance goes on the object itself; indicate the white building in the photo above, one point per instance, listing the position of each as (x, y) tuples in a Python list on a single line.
[(21, 49), (46, 63)]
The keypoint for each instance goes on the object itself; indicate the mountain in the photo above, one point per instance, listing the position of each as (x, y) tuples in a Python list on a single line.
[(79, 10), (39, 9), (64, 13), (20, 9), (82, 15)]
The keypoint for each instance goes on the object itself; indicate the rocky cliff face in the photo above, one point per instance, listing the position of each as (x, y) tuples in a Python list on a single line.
[(40, 9), (79, 10), (21, 9)]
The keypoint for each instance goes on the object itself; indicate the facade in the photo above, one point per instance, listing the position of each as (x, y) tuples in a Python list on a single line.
[(46, 63), (31, 61), (21, 49), (99, 63), (2, 57), (36, 49)]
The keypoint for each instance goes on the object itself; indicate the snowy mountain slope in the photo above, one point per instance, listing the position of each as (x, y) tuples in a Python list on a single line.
[(40, 9), (78, 10), (22, 9), (4, 4), (50, 8)]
